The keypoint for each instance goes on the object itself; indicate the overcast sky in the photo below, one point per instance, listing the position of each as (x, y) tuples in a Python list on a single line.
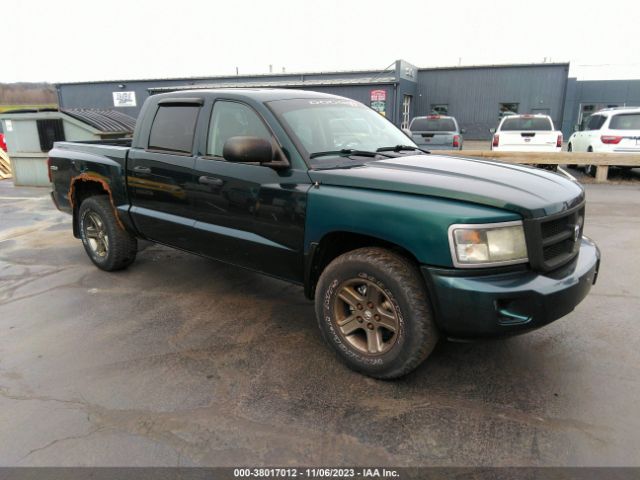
[(69, 40)]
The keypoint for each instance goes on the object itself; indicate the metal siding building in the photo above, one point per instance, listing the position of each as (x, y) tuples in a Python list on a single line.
[(588, 96), (355, 85), (474, 94)]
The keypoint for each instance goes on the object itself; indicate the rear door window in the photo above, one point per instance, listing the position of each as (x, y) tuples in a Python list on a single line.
[(173, 128), (432, 125), (526, 123), (626, 121)]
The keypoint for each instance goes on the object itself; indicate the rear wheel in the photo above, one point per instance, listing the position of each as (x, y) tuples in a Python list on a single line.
[(372, 308), (108, 245)]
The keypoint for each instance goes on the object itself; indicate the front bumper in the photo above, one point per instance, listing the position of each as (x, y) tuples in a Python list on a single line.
[(472, 306)]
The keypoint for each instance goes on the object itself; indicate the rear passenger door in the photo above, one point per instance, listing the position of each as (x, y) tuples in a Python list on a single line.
[(248, 215), (160, 174)]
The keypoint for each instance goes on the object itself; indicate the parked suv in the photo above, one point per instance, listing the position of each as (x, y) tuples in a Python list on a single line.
[(436, 132), (612, 130)]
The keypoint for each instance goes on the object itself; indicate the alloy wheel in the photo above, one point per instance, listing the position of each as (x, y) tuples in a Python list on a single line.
[(365, 317), (95, 232)]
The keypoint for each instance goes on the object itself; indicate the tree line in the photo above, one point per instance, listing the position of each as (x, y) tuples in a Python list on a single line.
[(24, 93)]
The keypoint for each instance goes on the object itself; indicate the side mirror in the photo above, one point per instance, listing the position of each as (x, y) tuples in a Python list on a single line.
[(251, 150), (463, 130), (407, 132), (492, 130)]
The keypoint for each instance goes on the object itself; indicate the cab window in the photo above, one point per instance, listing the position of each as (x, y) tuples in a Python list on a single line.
[(232, 119), (173, 128)]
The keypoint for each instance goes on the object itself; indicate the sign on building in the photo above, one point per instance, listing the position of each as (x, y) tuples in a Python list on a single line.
[(379, 101), (124, 99)]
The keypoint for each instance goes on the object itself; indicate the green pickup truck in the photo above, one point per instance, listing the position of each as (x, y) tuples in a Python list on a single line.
[(398, 247)]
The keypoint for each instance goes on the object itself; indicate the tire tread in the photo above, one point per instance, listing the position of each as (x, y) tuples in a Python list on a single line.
[(408, 276), (123, 246)]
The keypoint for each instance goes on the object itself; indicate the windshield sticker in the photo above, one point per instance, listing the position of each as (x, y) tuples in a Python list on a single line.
[(333, 102)]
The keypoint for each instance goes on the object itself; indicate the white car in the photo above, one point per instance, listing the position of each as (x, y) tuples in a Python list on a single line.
[(526, 133), (612, 130)]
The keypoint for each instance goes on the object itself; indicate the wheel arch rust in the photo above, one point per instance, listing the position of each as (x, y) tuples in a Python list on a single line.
[(86, 178)]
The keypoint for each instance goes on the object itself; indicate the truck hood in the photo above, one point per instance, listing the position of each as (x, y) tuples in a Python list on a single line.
[(529, 191)]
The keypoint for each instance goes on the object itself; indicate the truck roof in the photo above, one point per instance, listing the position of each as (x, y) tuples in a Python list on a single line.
[(258, 94)]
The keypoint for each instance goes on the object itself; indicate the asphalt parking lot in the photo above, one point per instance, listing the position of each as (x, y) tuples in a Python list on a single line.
[(183, 361)]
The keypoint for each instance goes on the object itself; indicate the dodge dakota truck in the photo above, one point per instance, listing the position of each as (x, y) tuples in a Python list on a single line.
[(398, 247)]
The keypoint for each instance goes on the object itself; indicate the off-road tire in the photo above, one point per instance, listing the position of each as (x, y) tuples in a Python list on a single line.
[(400, 281), (122, 246)]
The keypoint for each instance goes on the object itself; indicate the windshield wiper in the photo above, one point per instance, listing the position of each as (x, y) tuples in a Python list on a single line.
[(346, 152), (400, 148)]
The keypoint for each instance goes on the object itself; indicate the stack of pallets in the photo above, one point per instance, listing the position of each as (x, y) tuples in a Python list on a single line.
[(5, 166)]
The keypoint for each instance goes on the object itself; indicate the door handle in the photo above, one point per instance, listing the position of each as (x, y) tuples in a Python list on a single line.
[(140, 169), (216, 182)]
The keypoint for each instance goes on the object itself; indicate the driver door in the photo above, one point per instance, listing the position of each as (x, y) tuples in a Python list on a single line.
[(248, 215)]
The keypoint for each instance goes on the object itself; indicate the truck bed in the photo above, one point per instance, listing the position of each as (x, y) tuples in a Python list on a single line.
[(115, 149), (103, 161)]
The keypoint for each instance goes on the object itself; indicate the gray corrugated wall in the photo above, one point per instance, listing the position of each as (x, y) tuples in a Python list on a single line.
[(100, 95), (598, 92), (474, 94), (570, 107)]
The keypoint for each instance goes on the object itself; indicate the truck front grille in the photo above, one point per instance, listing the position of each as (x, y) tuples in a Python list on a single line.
[(555, 240)]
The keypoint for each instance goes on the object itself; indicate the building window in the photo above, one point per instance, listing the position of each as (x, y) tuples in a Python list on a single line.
[(439, 109), (49, 131), (506, 109), (406, 111)]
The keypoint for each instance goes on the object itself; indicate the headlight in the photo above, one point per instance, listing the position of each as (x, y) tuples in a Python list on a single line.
[(486, 245)]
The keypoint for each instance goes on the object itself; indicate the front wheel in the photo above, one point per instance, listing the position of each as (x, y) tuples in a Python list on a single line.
[(372, 308), (108, 245)]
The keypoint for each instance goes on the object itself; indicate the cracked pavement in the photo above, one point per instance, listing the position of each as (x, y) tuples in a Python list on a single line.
[(184, 361)]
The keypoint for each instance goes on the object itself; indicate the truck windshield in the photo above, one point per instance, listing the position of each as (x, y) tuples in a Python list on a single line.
[(338, 125), (437, 124), (526, 123)]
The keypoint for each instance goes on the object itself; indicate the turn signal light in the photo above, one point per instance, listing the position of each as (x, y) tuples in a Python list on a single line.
[(456, 140), (610, 139), (496, 140)]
